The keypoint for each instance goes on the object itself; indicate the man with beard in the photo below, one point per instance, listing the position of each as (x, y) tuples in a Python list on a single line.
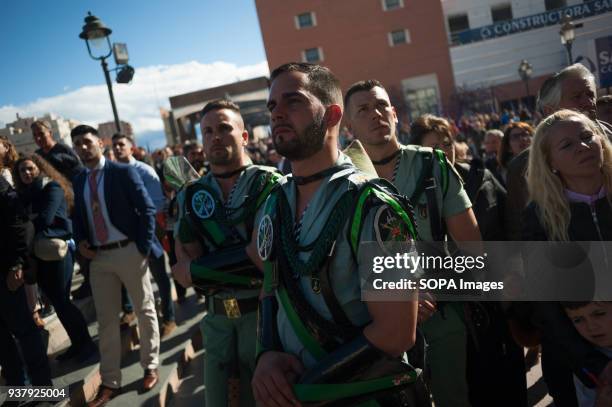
[(441, 206), (114, 225), (215, 223), (315, 334)]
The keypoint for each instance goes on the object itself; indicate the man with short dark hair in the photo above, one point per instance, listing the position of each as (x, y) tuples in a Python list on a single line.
[(441, 206), (114, 225), (310, 263), (59, 155), (123, 146), (215, 221)]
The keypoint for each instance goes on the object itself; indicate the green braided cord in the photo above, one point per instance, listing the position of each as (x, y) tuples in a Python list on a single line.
[(356, 224), (309, 342), (200, 271), (334, 224), (335, 391), (443, 169)]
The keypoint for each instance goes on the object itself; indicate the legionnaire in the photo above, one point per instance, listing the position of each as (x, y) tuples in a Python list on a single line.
[(441, 206), (317, 340), (215, 221)]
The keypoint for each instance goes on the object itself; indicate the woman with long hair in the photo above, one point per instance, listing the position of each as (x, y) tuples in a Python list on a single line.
[(569, 178), (49, 197), (8, 157), (517, 138)]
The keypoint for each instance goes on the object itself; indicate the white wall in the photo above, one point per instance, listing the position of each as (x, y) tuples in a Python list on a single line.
[(496, 61)]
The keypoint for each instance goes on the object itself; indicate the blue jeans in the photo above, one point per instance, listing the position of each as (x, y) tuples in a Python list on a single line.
[(16, 319), (160, 274), (55, 280)]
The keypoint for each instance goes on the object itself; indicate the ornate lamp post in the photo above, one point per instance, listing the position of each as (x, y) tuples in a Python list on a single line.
[(525, 71), (568, 34), (97, 38)]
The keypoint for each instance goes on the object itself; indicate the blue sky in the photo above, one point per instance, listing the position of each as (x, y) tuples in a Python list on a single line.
[(46, 65)]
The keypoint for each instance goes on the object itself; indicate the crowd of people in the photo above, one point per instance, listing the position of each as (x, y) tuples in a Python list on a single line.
[(269, 235)]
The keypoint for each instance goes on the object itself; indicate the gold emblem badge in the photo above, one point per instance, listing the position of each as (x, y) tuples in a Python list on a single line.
[(232, 310)]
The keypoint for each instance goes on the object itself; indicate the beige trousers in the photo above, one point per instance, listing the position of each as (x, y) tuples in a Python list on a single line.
[(108, 270)]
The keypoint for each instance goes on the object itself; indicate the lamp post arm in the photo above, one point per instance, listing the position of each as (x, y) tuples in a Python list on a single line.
[(109, 84)]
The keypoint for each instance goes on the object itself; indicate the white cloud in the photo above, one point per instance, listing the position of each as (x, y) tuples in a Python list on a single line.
[(138, 102)]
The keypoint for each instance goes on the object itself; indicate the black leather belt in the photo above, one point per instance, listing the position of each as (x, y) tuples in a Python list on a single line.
[(234, 308), (111, 246)]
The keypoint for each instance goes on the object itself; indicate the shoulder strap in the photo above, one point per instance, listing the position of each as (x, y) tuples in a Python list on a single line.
[(386, 193)]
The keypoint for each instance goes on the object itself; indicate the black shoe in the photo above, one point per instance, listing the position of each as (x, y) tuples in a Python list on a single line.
[(72, 351)]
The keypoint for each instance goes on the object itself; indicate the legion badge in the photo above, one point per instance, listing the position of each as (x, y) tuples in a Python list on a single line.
[(203, 204), (265, 237)]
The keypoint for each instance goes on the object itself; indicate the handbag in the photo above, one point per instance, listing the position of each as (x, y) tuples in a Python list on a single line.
[(50, 249)]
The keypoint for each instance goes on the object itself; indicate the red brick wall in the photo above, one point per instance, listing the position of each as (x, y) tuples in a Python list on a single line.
[(354, 38)]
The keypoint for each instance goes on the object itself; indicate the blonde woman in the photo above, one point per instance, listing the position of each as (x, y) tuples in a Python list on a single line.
[(569, 178)]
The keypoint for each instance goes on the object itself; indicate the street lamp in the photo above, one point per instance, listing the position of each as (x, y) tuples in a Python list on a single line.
[(568, 35), (525, 70), (97, 38)]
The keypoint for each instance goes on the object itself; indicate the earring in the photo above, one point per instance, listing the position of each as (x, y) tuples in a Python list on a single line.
[(556, 172)]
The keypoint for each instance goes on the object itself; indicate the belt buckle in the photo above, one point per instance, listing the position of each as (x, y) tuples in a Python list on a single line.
[(232, 309)]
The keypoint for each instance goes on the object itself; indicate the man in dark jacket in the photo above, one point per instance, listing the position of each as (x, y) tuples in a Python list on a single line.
[(15, 317), (114, 224), (59, 155)]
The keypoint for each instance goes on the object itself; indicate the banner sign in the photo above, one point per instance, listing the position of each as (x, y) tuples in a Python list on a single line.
[(548, 18), (603, 48)]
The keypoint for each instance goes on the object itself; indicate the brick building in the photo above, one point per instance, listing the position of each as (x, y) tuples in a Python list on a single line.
[(402, 43)]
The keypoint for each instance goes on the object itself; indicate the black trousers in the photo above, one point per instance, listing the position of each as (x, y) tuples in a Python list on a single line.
[(16, 323)]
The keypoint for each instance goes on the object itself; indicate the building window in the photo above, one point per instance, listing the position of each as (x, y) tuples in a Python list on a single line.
[(456, 24), (305, 20), (554, 4), (392, 4), (421, 101), (398, 37), (312, 55), (501, 12)]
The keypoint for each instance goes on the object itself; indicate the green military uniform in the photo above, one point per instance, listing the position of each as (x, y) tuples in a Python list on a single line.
[(223, 229), (315, 238), (445, 331)]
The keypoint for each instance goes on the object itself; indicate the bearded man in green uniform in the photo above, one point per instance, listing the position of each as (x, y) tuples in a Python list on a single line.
[(318, 341), (441, 206), (215, 221)]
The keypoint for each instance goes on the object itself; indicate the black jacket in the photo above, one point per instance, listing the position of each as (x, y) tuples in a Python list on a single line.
[(585, 224), (488, 198), (63, 159), (47, 208), (549, 317), (13, 229)]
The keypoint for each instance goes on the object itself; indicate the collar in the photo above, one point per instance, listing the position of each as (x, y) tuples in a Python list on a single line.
[(132, 160), (100, 165), (587, 199), (388, 158)]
